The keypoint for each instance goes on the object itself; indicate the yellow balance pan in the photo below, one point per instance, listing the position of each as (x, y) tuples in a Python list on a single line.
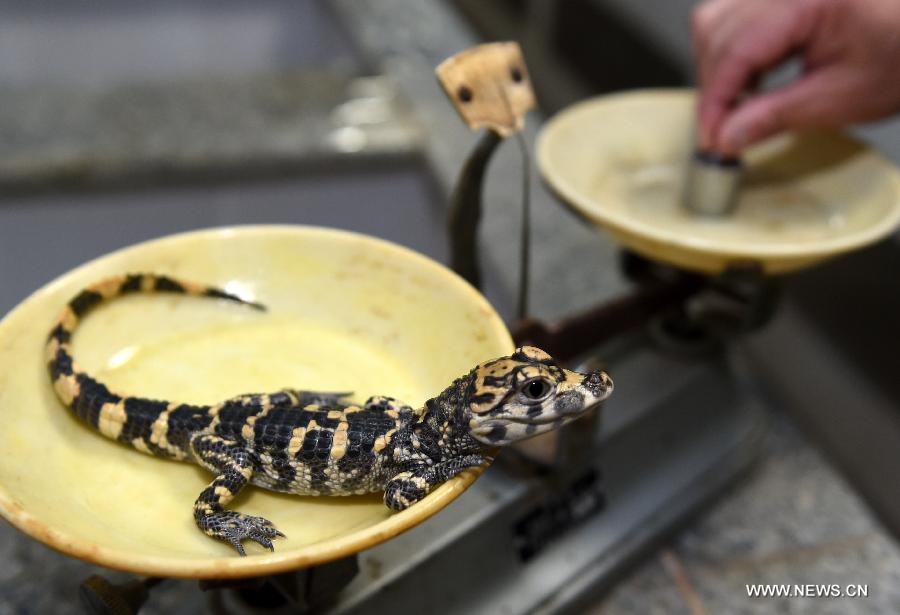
[(620, 161), (346, 313)]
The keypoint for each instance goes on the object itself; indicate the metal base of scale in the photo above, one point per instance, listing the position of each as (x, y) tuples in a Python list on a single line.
[(528, 540)]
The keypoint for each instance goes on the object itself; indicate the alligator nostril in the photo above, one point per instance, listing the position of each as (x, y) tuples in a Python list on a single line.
[(598, 382)]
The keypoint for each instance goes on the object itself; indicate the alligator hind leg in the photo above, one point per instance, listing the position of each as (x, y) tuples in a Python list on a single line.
[(318, 398), (234, 467), (290, 398), (381, 403)]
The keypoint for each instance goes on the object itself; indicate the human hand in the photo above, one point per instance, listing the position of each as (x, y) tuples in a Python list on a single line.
[(851, 55)]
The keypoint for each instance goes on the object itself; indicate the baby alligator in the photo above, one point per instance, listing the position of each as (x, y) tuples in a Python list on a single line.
[(310, 443)]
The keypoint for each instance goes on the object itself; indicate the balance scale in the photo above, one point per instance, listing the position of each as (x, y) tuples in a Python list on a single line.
[(548, 526)]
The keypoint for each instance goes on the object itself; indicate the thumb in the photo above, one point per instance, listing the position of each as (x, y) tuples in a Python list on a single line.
[(808, 102)]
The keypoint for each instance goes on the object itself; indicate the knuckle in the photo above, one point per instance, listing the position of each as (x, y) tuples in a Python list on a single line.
[(700, 19), (737, 64), (774, 120), (707, 15)]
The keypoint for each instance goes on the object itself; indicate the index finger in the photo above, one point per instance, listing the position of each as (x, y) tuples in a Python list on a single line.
[(763, 37)]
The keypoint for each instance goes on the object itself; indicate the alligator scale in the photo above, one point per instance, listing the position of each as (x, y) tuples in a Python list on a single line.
[(310, 443)]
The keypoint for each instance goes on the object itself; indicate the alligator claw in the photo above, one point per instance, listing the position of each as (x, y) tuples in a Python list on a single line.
[(234, 527)]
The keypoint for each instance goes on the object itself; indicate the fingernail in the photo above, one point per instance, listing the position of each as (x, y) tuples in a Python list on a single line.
[(703, 139), (733, 139)]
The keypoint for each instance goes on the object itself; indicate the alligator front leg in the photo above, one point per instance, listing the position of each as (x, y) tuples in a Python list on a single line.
[(234, 467), (407, 488)]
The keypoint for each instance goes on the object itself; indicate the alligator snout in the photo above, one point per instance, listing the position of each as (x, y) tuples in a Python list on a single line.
[(599, 383)]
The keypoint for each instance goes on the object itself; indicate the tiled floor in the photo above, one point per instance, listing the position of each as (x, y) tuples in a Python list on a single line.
[(794, 520), (35, 579)]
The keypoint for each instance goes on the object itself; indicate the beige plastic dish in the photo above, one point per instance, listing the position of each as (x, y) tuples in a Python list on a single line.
[(347, 313), (620, 161)]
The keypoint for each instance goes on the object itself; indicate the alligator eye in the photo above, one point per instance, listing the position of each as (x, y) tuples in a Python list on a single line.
[(536, 389)]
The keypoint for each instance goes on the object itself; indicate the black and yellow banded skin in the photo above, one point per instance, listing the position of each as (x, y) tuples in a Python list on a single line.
[(313, 443)]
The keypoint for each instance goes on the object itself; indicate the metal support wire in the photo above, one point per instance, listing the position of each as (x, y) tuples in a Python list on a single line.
[(525, 238)]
